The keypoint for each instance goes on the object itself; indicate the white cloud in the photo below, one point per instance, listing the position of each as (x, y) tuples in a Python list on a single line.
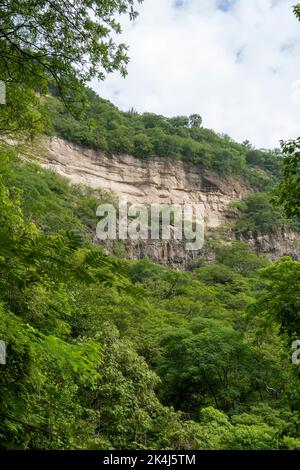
[(235, 62)]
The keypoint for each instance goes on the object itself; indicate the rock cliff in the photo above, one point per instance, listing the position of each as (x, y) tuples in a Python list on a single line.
[(151, 180), (162, 180)]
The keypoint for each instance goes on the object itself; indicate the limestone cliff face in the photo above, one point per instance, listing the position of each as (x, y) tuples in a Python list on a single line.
[(162, 180), (151, 180)]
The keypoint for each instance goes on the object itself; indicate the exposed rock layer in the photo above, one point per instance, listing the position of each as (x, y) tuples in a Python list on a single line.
[(151, 180), (162, 180)]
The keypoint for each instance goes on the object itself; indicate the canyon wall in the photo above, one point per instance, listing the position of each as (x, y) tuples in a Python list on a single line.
[(149, 180), (162, 180)]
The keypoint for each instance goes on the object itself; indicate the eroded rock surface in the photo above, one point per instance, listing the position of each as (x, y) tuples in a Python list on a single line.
[(163, 180)]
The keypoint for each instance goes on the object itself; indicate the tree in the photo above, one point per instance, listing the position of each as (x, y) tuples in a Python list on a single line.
[(195, 120), (179, 121), (279, 299), (297, 10), (257, 213), (142, 146), (204, 365), (240, 257), (288, 192), (245, 432), (120, 142), (152, 120), (66, 42)]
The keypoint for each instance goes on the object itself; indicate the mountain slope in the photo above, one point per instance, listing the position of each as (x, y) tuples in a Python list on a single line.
[(171, 361)]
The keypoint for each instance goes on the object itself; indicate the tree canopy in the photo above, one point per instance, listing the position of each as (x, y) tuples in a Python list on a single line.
[(64, 42)]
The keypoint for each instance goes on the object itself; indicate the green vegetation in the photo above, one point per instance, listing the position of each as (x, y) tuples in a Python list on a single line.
[(110, 355), (103, 127), (256, 213), (287, 194), (61, 42), (104, 353)]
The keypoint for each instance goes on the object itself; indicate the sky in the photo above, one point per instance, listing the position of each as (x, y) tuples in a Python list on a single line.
[(234, 62)]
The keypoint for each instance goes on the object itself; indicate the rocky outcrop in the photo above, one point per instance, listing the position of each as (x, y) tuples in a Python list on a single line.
[(149, 180), (163, 180), (274, 244)]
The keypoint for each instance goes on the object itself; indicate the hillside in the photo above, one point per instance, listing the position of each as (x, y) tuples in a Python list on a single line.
[(160, 358), (137, 344), (164, 359), (219, 174), (232, 208), (104, 128)]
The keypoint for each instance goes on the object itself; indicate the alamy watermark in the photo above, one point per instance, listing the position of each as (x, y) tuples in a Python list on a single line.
[(155, 222), (2, 352), (296, 353), (2, 93)]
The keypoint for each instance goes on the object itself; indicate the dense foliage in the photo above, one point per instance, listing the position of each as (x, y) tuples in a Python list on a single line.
[(61, 42), (104, 127), (106, 356), (257, 213), (288, 193), (111, 354)]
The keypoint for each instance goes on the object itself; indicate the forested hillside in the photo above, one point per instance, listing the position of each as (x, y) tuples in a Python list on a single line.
[(104, 127), (101, 126), (107, 353)]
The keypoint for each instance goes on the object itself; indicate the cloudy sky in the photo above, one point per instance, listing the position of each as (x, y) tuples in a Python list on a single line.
[(235, 62)]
